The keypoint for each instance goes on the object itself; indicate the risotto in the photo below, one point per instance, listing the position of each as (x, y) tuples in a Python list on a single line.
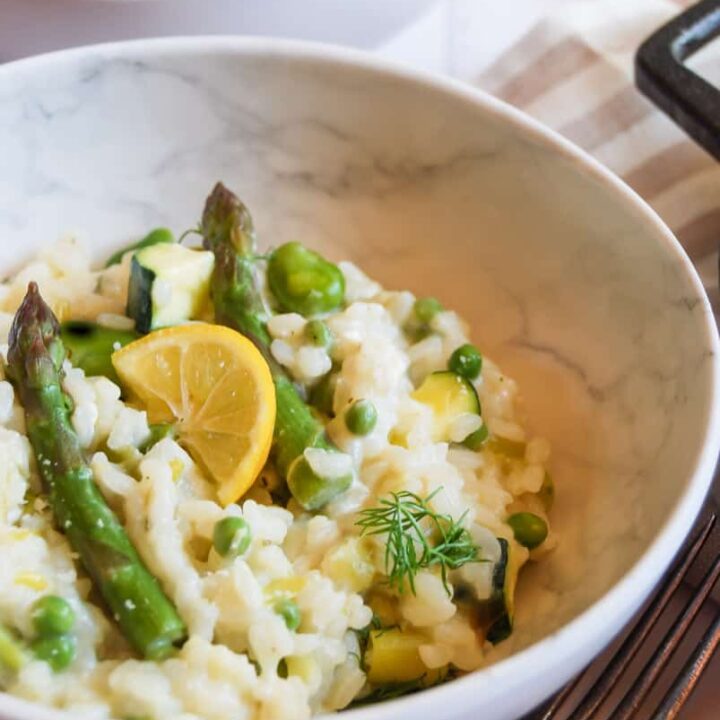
[(246, 486)]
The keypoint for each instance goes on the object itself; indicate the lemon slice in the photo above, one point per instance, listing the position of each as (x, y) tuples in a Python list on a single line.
[(216, 386)]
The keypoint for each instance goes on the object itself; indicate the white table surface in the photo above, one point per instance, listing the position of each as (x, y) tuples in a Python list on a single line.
[(454, 37)]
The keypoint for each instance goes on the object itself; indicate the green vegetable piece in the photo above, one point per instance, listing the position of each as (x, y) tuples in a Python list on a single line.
[(322, 395), (12, 655), (154, 237), (169, 285), (303, 281), (52, 615), (133, 595), (547, 492), (361, 417), (231, 537), (499, 610), (318, 333), (90, 346), (158, 432), (228, 232), (426, 309), (530, 530), (475, 440), (466, 361), (290, 613), (311, 490), (448, 395), (58, 651)]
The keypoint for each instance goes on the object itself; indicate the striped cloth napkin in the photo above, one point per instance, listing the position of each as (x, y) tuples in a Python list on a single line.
[(574, 72)]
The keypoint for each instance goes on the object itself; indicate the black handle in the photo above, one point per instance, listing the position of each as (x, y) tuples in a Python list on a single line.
[(660, 73)]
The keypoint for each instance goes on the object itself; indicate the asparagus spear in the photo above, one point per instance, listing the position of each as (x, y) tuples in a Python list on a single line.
[(145, 615), (228, 231)]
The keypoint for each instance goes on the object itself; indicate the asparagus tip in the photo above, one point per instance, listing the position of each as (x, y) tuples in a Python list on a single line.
[(226, 216), (34, 334)]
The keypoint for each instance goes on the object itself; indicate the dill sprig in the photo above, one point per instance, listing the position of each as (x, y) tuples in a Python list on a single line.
[(417, 538)]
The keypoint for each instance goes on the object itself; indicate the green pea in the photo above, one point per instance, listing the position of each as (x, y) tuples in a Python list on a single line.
[(52, 615), (318, 333), (426, 309), (529, 529), (361, 417), (466, 361), (477, 439), (290, 613), (58, 651), (282, 669), (303, 281), (231, 537)]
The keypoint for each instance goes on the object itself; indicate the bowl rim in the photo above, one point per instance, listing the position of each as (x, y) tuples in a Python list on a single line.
[(548, 656)]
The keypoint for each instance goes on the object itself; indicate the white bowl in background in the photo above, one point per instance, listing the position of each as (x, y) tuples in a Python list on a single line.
[(568, 279), (28, 27)]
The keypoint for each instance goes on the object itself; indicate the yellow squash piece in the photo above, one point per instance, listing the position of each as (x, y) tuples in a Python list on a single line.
[(350, 565), (393, 656), (215, 384), (32, 580), (448, 395)]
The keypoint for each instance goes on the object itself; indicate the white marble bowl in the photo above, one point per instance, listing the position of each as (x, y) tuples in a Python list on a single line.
[(569, 280)]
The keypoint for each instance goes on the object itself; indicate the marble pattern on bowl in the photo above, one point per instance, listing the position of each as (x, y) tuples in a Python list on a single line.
[(568, 282)]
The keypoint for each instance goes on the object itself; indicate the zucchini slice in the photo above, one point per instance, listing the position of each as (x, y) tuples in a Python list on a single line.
[(154, 237), (169, 284), (449, 395), (499, 610)]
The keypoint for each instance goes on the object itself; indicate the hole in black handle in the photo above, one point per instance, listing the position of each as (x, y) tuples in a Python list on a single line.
[(691, 101)]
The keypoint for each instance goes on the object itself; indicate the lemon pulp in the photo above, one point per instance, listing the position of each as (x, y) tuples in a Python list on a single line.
[(214, 383)]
